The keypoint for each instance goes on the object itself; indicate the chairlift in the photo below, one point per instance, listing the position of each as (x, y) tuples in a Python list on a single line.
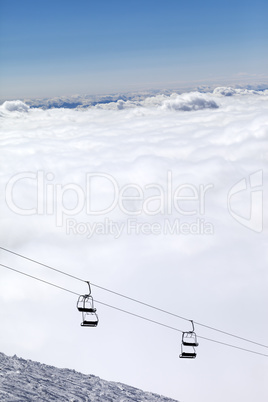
[(188, 344), (85, 305)]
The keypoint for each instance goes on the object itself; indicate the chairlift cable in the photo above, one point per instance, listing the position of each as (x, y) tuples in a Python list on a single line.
[(40, 263), (135, 300), (231, 346), (140, 316), (38, 279), (140, 302), (133, 314), (178, 330), (178, 316)]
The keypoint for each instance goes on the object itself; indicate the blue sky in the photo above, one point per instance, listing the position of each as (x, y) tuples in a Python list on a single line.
[(56, 48)]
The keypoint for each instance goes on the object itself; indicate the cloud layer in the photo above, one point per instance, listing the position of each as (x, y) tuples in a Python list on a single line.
[(169, 160)]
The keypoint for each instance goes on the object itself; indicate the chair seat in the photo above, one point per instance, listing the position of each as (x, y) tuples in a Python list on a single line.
[(185, 343), (89, 323), (87, 309), (186, 355)]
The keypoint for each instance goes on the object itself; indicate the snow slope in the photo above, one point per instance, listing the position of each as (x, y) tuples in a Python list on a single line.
[(26, 380)]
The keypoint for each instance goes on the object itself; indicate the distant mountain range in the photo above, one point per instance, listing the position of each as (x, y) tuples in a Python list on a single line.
[(84, 101)]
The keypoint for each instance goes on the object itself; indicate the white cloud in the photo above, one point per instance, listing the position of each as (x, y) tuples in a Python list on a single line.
[(227, 91), (217, 278), (224, 91), (184, 102), (189, 102), (14, 106)]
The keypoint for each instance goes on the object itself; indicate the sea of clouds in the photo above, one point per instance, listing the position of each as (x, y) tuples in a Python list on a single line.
[(158, 197)]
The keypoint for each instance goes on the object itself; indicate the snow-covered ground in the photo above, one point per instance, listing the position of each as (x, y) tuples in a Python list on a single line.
[(26, 380)]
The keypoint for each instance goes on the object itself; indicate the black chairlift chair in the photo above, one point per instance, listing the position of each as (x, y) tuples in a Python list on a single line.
[(85, 305), (188, 344)]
